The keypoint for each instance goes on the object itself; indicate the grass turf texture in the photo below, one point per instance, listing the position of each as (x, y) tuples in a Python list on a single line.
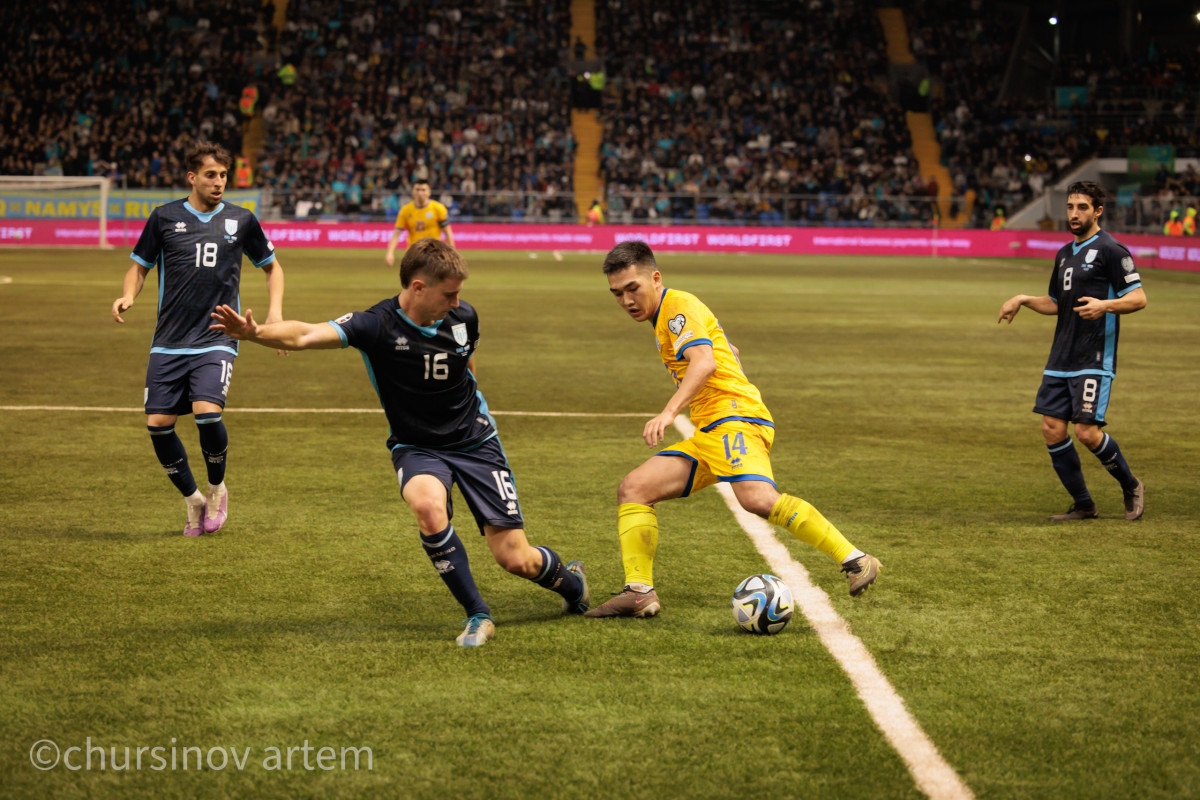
[(1043, 660)]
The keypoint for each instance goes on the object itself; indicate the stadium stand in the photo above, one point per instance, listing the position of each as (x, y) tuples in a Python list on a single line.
[(726, 112)]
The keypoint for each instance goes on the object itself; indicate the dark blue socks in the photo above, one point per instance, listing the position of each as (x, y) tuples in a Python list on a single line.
[(449, 558), (214, 444), (1065, 459), (557, 578), (1110, 456), (173, 457)]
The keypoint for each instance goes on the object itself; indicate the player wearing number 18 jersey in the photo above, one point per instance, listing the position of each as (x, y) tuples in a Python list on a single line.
[(1093, 281), (196, 244), (419, 350)]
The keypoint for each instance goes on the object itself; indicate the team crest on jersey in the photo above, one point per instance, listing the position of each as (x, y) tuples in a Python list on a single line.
[(342, 320), (459, 332), (231, 226), (1091, 255), (676, 323)]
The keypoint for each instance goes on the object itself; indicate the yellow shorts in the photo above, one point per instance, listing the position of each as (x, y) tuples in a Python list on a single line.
[(732, 451)]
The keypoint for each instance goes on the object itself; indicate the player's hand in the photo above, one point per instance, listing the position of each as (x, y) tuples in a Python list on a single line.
[(390, 258), (1009, 310), (233, 324), (120, 305), (1092, 308), (652, 434)]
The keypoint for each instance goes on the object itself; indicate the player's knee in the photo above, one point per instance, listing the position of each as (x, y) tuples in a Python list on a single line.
[(1053, 430), (632, 490), (1090, 435), (431, 513)]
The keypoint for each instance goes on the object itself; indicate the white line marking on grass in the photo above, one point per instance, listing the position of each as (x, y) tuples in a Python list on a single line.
[(327, 411), (932, 774)]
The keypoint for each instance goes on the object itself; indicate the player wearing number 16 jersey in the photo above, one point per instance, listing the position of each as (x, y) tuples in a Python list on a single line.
[(1093, 281), (419, 350), (197, 245)]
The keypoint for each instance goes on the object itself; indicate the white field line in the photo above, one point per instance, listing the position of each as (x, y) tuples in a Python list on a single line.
[(235, 411), (933, 776)]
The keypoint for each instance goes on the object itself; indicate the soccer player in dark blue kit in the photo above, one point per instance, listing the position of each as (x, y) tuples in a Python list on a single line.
[(1094, 280), (419, 349), (197, 245)]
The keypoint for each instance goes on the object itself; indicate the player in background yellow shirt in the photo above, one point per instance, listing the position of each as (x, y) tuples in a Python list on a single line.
[(422, 218), (732, 442)]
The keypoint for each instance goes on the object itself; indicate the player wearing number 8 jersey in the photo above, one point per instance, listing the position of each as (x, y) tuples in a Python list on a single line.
[(419, 350), (1093, 281), (197, 245), (732, 442)]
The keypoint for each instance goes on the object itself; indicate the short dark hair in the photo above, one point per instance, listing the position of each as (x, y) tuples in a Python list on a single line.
[(420, 181), (432, 260), (630, 254), (1090, 189), (202, 150)]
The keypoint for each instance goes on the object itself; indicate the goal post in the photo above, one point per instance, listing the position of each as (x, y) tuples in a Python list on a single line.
[(24, 197)]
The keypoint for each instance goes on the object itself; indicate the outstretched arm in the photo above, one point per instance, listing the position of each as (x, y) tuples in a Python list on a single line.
[(135, 279), (288, 335), (1042, 305)]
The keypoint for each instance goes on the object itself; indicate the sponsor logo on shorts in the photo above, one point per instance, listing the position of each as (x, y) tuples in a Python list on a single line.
[(512, 507)]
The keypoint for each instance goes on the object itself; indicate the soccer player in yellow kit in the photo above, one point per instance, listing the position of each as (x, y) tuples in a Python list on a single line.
[(732, 443), (422, 218)]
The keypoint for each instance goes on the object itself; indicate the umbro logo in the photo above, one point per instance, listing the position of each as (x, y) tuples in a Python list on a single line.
[(180, 226)]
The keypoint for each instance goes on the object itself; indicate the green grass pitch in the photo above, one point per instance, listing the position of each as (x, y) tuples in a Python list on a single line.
[(1044, 661)]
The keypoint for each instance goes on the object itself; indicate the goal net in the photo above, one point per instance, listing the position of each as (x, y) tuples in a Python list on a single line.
[(28, 197)]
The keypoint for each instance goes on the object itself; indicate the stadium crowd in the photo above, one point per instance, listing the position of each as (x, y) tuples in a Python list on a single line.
[(722, 112), (472, 99), (719, 111), (96, 88)]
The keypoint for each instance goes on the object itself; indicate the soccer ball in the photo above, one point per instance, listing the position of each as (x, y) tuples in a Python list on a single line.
[(763, 604)]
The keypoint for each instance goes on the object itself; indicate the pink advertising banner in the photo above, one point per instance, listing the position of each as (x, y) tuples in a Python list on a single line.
[(1150, 251)]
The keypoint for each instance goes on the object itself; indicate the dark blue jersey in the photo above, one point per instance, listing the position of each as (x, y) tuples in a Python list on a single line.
[(1100, 267), (421, 375), (199, 256)]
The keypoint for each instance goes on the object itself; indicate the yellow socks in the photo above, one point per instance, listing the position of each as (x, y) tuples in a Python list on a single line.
[(808, 525), (637, 527)]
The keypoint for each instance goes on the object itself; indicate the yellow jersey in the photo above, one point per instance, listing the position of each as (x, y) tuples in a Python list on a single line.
[(423, 223), (682, 321)]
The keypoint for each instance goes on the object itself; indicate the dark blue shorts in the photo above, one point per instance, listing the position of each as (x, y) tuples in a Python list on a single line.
[(175, 381), (1081, 398), (483, 476)]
